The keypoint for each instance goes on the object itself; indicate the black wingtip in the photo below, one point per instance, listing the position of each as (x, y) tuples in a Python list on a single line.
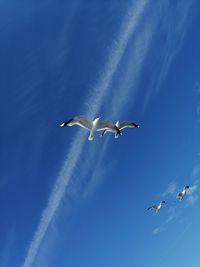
[(65, 123), (103, 133), (136, 126)]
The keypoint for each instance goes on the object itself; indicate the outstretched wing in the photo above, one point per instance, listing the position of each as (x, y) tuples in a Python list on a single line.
[(108, 125), (79, 120), (127, 124), (180, 195), (152, 207)]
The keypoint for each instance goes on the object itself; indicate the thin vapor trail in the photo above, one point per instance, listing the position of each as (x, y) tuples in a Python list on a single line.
[(56, 196), (116, 52), (94, 103)]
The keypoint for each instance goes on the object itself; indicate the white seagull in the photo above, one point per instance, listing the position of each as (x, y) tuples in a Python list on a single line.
[(183, 193), (92, 126), (121, 125), (157, 207)]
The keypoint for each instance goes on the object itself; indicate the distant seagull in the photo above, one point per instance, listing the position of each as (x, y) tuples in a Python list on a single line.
[(92, 126), (121, 125), (183, 193), (157, 207)]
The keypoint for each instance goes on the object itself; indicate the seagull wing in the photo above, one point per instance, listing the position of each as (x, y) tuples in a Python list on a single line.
[(127, 124), (180, 194), (107, 125), (152, 207), (79, 120)]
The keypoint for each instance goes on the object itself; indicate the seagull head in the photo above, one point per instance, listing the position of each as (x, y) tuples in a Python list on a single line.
[(187, 187), (163, 202)]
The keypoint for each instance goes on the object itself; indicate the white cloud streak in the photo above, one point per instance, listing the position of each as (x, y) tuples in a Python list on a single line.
[(193, 189), (116, 53), (192, 200), (196, 171), (132, 69), (177, 28), (171, 189), (94, 103), (55, 197), (172, 214), (176, 209), (158, 230), (193, 194)]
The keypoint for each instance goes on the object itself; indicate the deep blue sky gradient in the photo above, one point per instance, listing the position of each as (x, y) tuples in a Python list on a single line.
[(54, 59)]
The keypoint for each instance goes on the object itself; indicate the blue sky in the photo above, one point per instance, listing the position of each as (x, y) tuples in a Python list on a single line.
[(66, 201)]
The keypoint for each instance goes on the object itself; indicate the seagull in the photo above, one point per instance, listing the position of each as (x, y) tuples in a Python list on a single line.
[(183, 193), (121, 125), (157, 207), (92, 126)]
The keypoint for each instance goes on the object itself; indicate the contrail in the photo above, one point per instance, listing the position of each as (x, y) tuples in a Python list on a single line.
[(116, 52), (56, 196), (94, 103)]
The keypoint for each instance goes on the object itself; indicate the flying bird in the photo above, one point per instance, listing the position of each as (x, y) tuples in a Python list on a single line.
[(157, 207), (92, 126), (121, 125), (183, 193)]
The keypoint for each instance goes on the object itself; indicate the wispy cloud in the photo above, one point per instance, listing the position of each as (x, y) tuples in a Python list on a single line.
[(177, 207), (196, 171), (175, 20), (197, 88), (193, 194), (158, 230), (193, 189), (171, 189), (55, 197), (115, 55), (173, 245), (128, 83), (191, 200), (94, 103), (98, 172), (172, 213)]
